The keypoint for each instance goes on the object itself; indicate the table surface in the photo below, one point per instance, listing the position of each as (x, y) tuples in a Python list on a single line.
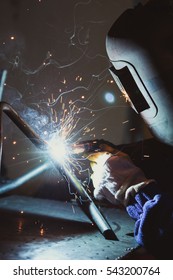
[(36, 228)]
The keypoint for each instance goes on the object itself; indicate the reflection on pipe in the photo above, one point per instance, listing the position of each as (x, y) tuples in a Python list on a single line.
[(3, 75), (24, 178)]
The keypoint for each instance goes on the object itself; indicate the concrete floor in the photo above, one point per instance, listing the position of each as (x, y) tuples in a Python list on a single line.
[(35, 228)]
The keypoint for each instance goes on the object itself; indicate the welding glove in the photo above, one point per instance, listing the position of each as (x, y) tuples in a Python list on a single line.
[(115, 177)]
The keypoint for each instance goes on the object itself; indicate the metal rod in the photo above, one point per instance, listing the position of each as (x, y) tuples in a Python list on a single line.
[(21, 124), (15, 183), (86, 203), (89, 207)]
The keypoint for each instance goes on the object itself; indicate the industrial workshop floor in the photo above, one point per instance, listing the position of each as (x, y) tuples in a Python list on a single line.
[(34, 228)]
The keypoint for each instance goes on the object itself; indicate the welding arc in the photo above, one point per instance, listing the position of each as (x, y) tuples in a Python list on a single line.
[(86, 203)]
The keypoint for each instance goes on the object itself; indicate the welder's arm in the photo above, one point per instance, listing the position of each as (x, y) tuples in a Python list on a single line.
[(117, 179)]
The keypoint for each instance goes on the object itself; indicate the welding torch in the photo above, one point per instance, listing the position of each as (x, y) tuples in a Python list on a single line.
[(85, 201), (94, 146)]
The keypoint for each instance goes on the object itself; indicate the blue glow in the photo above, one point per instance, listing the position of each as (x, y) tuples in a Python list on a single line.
[(109, 97)]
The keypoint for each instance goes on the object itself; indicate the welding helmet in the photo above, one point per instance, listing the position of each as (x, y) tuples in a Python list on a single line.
[(140, 48)]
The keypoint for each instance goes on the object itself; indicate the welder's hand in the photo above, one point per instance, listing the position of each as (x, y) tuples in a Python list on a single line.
[(115, 177)]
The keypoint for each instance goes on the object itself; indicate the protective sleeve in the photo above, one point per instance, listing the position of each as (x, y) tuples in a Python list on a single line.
[(153, 212)]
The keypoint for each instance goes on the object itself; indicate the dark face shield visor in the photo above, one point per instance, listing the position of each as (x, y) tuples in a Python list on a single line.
[(140, 48)]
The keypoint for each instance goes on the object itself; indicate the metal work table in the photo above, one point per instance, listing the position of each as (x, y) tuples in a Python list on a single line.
[(36, 228)]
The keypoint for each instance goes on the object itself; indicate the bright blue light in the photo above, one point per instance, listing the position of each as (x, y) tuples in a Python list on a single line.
[(109, 97)]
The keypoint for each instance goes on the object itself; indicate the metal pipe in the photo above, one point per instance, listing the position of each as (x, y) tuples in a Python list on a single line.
[(15, 183), (86, 203), (89, 207), (22, 125)]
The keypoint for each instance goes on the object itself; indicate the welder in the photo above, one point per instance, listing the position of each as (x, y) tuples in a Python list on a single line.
[(139, 46)]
